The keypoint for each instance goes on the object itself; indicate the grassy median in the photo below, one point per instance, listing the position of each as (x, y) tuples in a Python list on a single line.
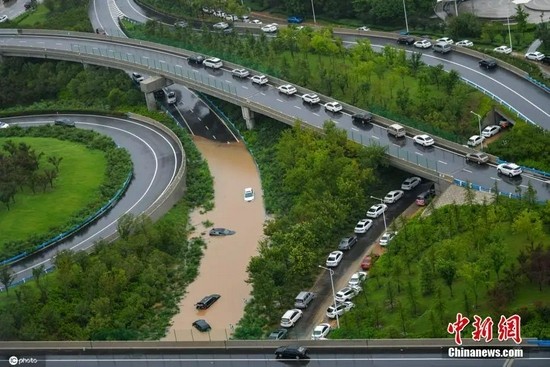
[(81, 173)]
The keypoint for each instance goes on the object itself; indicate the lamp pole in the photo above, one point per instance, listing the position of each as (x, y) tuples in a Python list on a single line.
[(405, 11), (509, 33), (479, 123), (331, 272), (313, 10), (383, 213)]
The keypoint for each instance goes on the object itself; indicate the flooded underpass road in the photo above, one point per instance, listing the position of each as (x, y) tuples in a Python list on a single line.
[(223, 266)]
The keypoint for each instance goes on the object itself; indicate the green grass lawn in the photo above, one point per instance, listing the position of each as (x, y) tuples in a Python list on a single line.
[(30, 18), (81, 172)]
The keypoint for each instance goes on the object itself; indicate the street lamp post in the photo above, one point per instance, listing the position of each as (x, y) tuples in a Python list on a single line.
[(479, 123), (313, 10), (509, 33), (383, 213), (331, 272), (405, 11)]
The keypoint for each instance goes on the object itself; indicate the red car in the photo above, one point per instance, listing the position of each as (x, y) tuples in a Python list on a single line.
[(366, 263)]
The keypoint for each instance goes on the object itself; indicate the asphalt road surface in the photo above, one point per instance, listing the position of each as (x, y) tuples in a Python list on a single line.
[(436, 158), (156, 160), (337, 358)]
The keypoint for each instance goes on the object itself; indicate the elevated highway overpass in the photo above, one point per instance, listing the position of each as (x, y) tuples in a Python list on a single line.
[(442, 163)]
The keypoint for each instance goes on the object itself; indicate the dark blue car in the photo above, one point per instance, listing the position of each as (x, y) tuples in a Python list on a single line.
[(295, 19)]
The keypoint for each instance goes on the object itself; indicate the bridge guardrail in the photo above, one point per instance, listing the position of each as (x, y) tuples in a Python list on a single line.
[(252, 345)]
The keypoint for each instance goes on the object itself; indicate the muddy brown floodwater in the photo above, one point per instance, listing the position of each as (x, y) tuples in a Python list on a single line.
[(223, 266)]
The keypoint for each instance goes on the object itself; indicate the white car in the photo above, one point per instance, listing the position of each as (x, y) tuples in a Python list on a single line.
[(334, 258), (376, 210), (248, 194), (340, 309), (465, 43), (423, 44), (290, 317), (503, 50), (320, 332), (447, 40), (387, 237), (410, 183), (347, 293), (171, 97), (537, 56), (287, 89), (490, 131), (475, 140), (424, 140), (213, 63), (509, 169), (363, 226), (392, 196), (311, 98), (240, 73), (260, 79), (138, 78), (231, 17), (3, 18), (221, 25), (357, 278), (4, 125), (256, 21), (270, 28), (363, 28), (333, 107)]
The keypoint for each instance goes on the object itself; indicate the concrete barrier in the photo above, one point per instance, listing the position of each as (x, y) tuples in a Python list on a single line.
[(252, 346)]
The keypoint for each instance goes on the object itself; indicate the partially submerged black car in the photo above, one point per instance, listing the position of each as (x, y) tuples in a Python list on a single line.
[(207, 301), (221, 232)]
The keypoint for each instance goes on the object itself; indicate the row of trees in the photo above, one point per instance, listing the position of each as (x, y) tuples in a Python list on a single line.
[(34, 81), (473, 259), (124, 290), (318, 181), (389, 83), (20, 168)]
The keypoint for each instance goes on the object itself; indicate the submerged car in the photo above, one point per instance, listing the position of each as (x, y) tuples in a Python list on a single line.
[(248, 194), (221, 232)]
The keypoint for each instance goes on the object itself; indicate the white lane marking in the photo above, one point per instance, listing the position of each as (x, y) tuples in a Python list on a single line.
[(179, 66), (418, 153), (280, 100), (298, 107), (316, 114), (442, 162), (375, 137), (483, 75), (244, 87), (142, 196), (206, 127), (262, 93), (199, 118), (524, 186), (466, 170), (137, 11), (354, 129), (494, 178), (228, 81), (147, 360), (185, 121), (396, 145)]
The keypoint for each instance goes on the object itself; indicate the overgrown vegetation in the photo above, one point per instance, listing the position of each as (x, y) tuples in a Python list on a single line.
[(55, 14), (388, 83), (526, 145), (486, 260), (118, 167)]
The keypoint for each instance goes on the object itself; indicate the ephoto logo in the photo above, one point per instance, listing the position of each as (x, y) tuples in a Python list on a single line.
[(13, 360)]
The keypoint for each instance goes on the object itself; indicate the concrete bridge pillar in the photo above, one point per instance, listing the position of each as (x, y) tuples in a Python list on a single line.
[(151, 102), (248, 116)]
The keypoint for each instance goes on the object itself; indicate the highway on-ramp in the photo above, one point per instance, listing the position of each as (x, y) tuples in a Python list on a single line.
[(156, 157)]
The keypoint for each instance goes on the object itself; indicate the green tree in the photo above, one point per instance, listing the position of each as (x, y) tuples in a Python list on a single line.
[(448, 272), (6, 278)]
